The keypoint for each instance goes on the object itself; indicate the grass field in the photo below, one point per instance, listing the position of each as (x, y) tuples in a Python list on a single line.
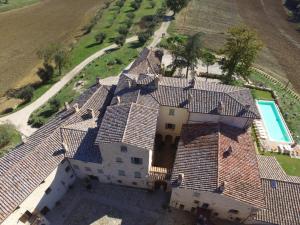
[(15, 4), (31, 28), (281, 54), (261, 95)]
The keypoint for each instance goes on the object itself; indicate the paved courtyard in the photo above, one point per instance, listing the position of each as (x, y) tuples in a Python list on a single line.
[(115, 205)]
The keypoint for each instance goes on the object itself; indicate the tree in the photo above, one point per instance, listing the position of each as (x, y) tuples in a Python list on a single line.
[(123, 30), (46, 72), (130, 15), (100, 38), (54, 104), (120, 3), (176, 45), (26, 93), (192, 52), (152, 4), (176, 5), (135, 5), (144, 36), (61, 59), (208, 59), (240, 50), (120, 40)]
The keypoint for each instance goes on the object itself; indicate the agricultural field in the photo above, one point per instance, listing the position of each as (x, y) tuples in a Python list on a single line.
[(6, 5), (281, 55), (31, 28)]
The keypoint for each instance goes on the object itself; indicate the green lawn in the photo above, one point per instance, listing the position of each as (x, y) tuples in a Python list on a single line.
[(261, 95), (9, 138), (291, 166), (289, 105), (14, 4)]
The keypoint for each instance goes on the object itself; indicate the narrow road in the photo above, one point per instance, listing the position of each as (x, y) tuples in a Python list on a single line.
[(20, 118)]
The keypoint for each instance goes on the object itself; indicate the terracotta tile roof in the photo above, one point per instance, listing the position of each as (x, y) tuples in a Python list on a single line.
[(282, 203), (149, 61), (270, 169), (201, 157), (25, 167), (132, 124), (282, 194)]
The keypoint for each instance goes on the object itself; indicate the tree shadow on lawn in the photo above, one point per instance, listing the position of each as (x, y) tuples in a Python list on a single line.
[(92, 45), (136, 44)]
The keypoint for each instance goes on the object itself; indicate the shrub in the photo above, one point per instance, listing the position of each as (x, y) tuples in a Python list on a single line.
[(7, 134), (123, 30), (143, 37), (100, 37), (152, 4), (120, 40), (54, 104), (45, 73), (120, 3), (138, 1), (118, 61), (135, 5), (128, 23), (36, 121), (25, 93), (130, 15)]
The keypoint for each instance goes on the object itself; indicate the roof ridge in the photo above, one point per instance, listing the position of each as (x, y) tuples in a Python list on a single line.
[(129, 113), (228, 94), (218, 160)]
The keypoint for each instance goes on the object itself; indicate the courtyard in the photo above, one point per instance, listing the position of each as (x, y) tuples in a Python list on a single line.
[(106, 204)]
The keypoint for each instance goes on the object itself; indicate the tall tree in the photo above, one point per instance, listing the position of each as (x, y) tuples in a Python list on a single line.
[(192, 52), (241, 49), (60, 59), (208, 59), (176, 5)]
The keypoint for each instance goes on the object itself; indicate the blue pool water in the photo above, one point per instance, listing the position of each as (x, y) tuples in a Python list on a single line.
[(273, 121)]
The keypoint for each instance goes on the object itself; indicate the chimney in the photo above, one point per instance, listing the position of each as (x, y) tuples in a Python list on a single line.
[(65, 146), (156, 81), (190, 97), (220, 107), (129, 83), (91, 113), (180, 178), (76, 107), (227, 152), (247, 107), (67, 106), (222, 187), (119, 100), (192, 82), (98, 82)]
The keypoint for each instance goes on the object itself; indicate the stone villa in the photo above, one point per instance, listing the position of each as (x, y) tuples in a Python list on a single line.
[(114, 134)]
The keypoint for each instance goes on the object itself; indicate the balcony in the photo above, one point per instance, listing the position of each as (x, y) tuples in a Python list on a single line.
[(159, 173)]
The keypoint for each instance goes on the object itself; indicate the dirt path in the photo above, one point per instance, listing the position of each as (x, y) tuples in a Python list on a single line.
[(20, 118), (278, 35), (26, 30)]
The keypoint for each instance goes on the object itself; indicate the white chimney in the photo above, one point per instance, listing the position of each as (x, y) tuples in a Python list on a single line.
[(98, 82), (65, 146), (220, 107), (67, 106), (190, 97), (91, 113), (156, 81), (119, 100), (76, 107)]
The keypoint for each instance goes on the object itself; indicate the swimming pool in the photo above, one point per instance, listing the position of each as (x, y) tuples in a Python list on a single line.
[(274, 122)]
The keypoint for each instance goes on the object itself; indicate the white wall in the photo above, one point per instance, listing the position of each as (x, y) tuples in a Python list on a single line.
[(230, 120), (59, 181), (218, 203), (180, 117), (110, 167)]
